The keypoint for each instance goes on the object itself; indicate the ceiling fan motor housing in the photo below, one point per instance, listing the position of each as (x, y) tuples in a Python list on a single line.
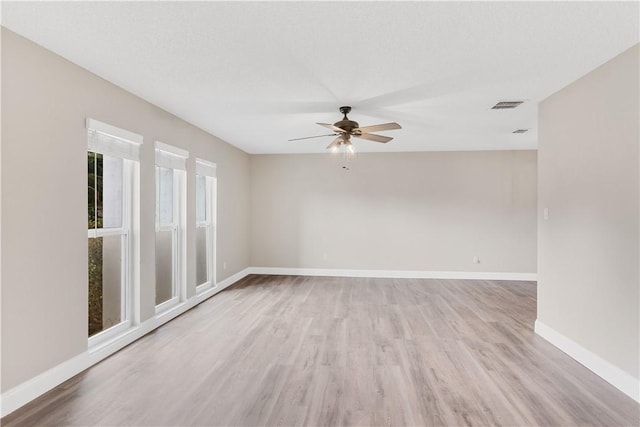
[(346, 124)]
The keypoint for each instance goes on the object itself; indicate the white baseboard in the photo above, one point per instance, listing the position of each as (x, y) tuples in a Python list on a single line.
[(607, 371), (223, 284), (27, 391), (394, 274)]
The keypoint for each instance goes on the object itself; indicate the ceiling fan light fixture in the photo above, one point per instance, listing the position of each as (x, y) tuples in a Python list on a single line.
[(349, 147), (344, 147)]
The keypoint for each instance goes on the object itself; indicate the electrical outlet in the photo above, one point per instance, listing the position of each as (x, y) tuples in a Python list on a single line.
[(476, 260), (324, 257), (224, 265)]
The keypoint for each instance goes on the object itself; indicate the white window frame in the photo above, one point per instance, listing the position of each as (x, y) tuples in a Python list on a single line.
[(208, 170), (168, 156), (119, 143)]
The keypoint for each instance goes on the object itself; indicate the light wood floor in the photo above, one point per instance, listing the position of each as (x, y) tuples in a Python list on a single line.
[(276, 350)]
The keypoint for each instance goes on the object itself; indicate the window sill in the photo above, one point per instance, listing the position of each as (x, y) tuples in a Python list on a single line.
[(163, 311), (98, 343)]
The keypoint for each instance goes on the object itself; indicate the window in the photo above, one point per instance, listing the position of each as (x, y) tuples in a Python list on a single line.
[(205, 224), (112, 164), (170, 226)]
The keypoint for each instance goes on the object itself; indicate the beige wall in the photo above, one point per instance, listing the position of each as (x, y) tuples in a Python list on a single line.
[(430, 211), (45, 100), (588, 178)]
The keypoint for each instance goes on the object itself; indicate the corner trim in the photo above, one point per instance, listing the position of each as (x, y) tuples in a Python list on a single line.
[(394, 274), (604, 369), (29, 390)]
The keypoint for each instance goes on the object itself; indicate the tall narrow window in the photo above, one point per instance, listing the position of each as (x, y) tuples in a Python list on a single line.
[(112, 161), (205, 224), (170, 223)]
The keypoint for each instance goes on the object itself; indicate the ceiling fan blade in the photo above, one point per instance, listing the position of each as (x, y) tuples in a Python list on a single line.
[(374, 128), (308, 137), (372, 137), (335, 144), (332, 127)]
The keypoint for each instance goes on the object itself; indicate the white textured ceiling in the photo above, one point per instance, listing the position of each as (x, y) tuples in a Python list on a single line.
[(259, 73)]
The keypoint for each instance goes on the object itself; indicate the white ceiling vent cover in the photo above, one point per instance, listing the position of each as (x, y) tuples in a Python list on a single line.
[(503, 105)]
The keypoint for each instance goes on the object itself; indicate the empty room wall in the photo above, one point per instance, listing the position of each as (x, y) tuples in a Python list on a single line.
[(45, 100), (588, 252), (431, 211)]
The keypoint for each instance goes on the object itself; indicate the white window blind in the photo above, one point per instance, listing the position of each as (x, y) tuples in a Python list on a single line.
[(112, 141), (168, 156), (205, 168), (165, 189), (201, 198)]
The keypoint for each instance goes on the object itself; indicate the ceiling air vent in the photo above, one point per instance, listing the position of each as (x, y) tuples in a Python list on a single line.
[(503, 105), (520, 131)]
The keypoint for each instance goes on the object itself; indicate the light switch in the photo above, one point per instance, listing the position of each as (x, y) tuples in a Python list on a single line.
[(545, 214)]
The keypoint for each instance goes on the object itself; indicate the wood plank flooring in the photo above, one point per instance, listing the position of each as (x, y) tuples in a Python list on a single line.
[(289, 351)]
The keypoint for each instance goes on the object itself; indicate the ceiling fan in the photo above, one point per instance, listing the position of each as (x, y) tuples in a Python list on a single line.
[(345, 129)]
